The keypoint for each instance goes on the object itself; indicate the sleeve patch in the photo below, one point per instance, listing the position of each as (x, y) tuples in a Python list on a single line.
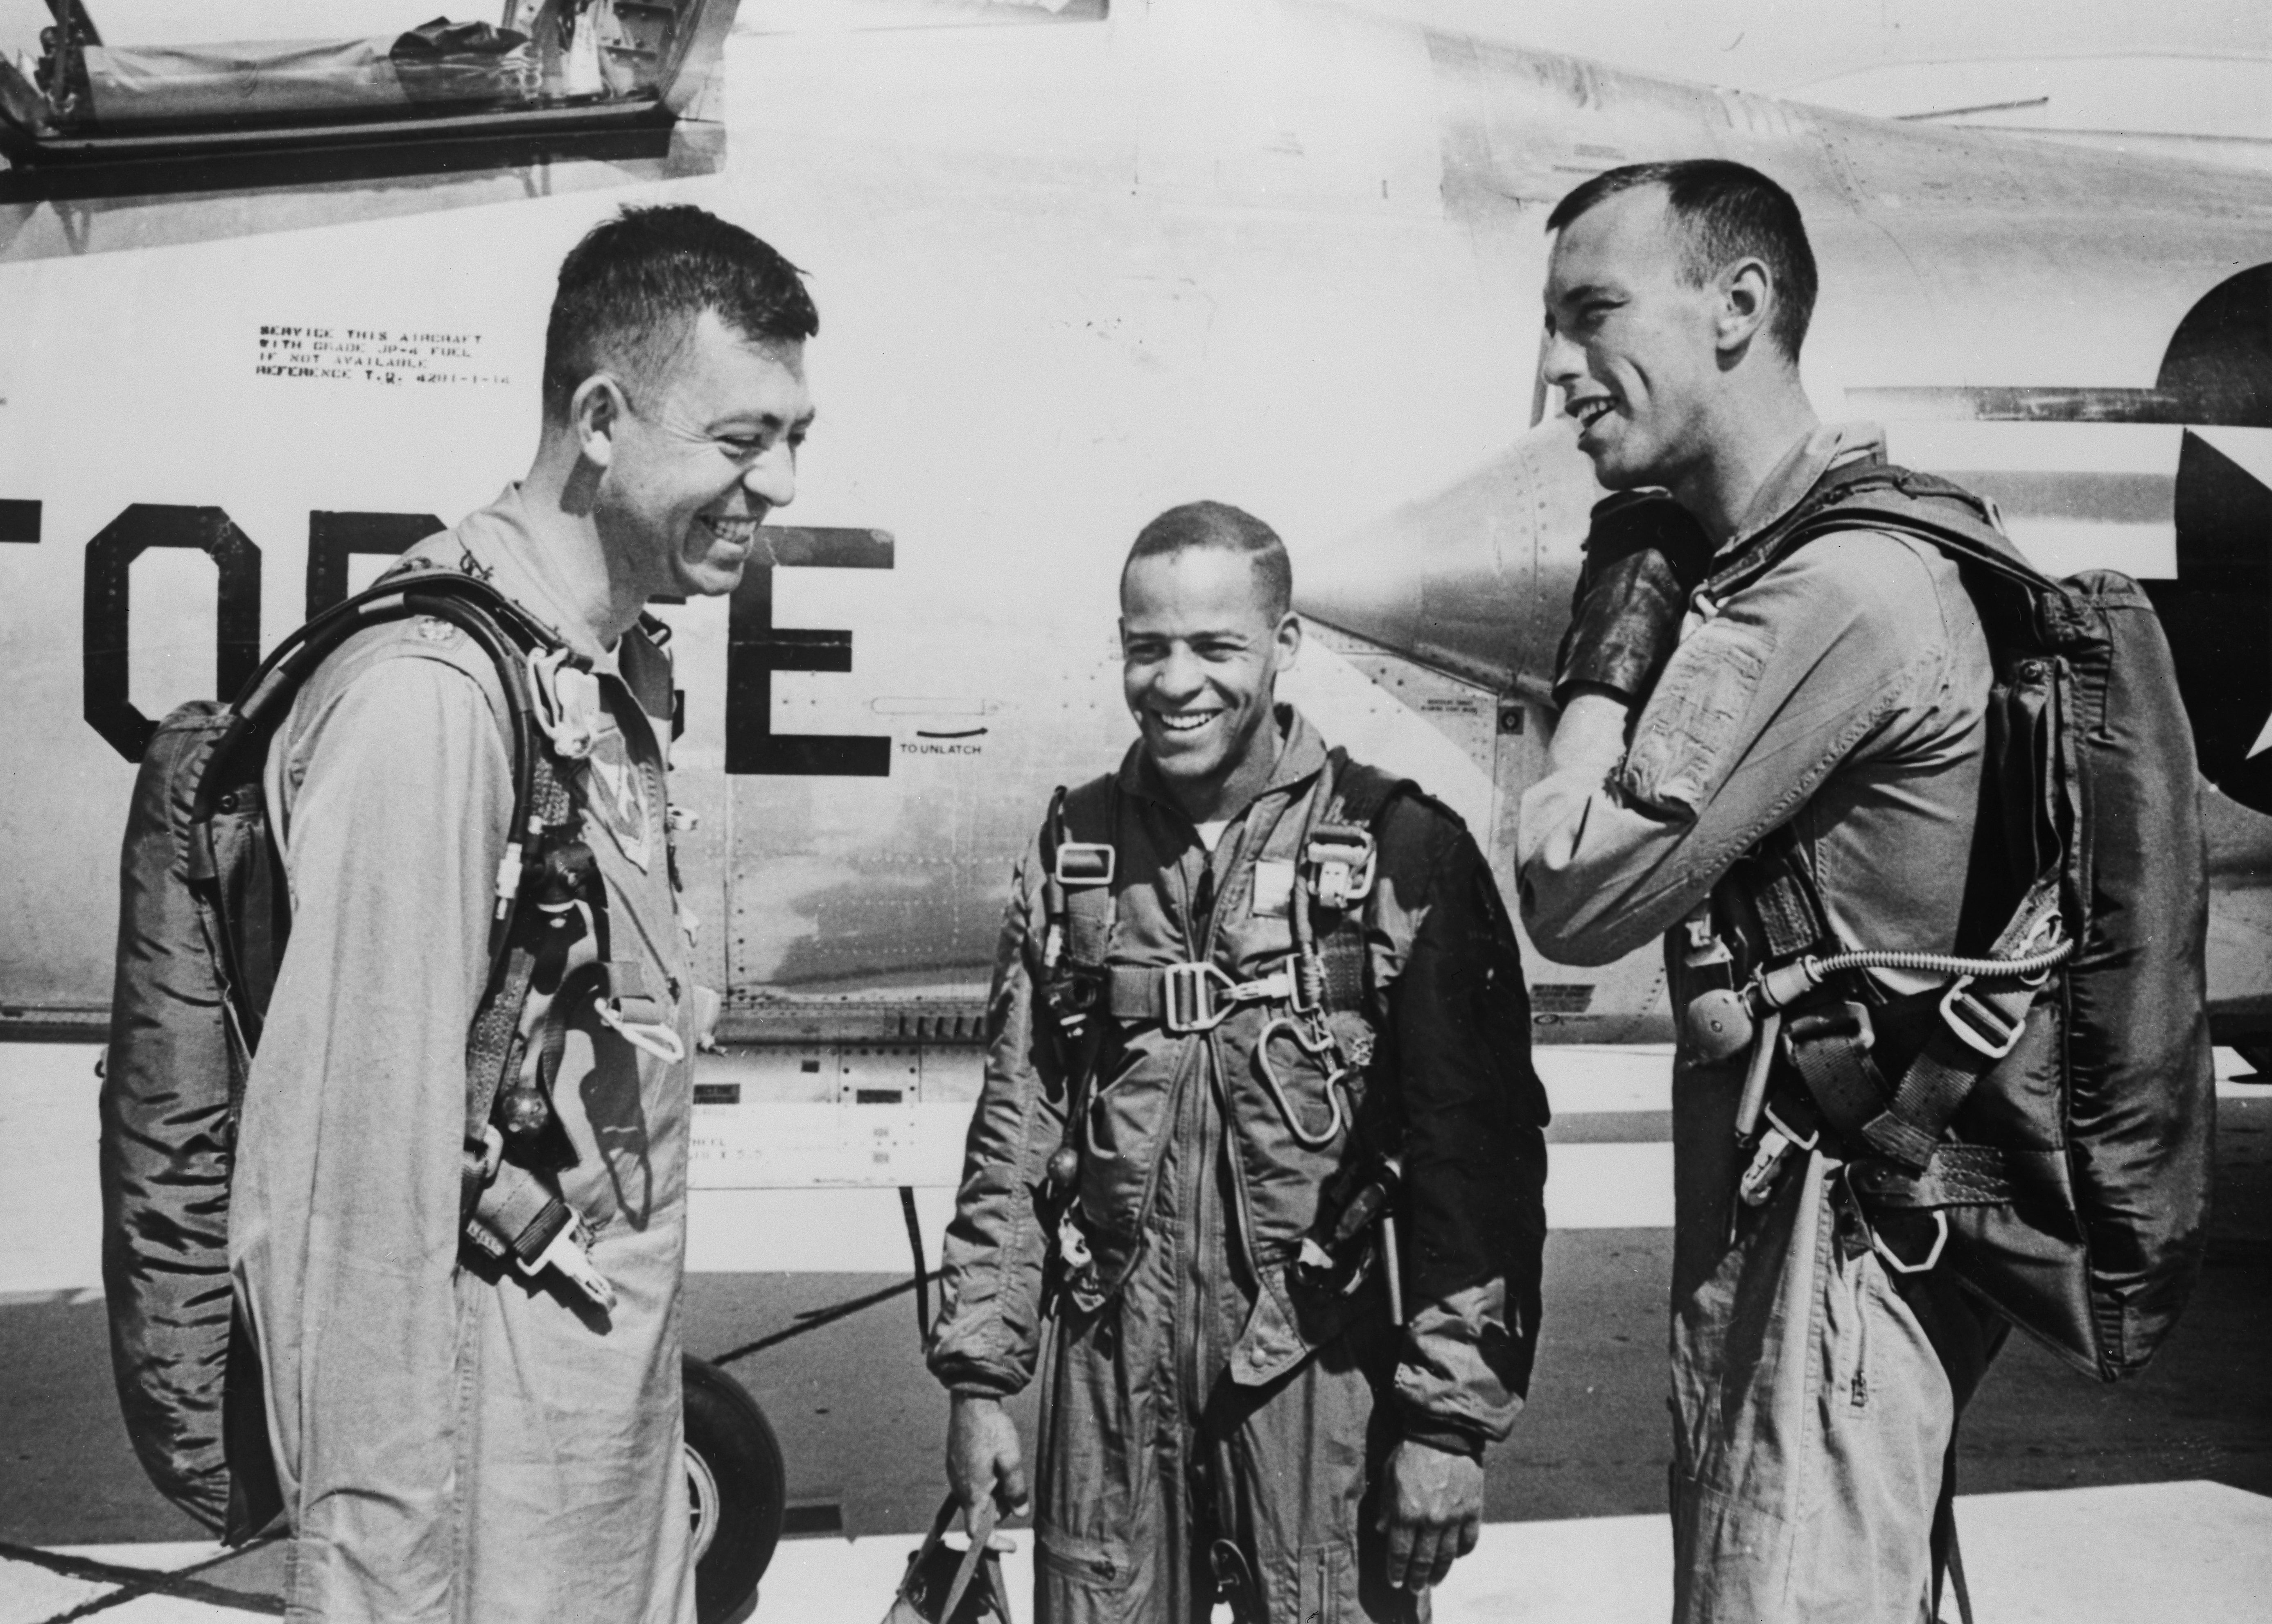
[(1696, 715)]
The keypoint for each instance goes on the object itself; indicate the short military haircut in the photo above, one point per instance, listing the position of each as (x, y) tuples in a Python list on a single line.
[(633, 288), (1220, 527), (1726, 211)]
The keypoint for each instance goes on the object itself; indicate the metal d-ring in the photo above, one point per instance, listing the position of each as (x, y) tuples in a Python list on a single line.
[(1320, 1045)]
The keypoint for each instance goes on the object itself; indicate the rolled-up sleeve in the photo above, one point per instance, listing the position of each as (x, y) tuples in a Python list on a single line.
[(1791, 676), (1458, 1023), (988, 1334)]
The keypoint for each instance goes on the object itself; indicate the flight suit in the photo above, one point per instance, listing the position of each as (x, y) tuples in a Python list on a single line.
[(456, 1440), (1841, 694), (1206, 1415)]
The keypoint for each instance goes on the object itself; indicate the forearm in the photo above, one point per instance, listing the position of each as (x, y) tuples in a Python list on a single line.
[(1475, 1165), (997, 1245), (1756, 708)]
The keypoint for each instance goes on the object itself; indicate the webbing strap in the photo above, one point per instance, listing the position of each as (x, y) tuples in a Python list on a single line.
[(1358, 796), (518, 1212), (1089, 908), (1959, 1175), (1980, 1023), (1134, 992), (1137, 992), (1088, 924), (1780, 885), (493, 1048), (1840, 1077)]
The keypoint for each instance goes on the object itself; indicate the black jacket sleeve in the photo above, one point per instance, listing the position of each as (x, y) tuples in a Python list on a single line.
[(1457, 1027), (1644, 555)]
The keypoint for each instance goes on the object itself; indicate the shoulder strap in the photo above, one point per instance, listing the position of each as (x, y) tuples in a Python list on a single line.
[(1884, 495), (1080, 875), (229, 785), (538, 851), (1338, 858), (1083, 853)]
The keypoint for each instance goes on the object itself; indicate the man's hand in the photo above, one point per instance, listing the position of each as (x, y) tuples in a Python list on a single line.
[(983, 1458), (1645, 553), (1431, 1508)]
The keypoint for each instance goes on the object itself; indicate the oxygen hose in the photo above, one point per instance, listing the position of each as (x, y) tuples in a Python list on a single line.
[(1721, 1022), (1940, 964)]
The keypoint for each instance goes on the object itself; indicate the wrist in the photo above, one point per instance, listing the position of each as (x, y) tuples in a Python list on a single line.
[(1443, 1439)]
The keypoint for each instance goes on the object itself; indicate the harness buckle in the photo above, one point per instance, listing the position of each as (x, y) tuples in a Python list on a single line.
[(1083, 863), (1200, 997), (1187, 997), (1839, 1020), (1977, 1024), (1341, 860)]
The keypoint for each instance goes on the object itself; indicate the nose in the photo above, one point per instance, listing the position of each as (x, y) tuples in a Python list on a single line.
[(1180, 676), (772, 477), (1561, 363)]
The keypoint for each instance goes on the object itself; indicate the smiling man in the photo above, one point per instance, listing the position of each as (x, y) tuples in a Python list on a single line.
[(1805, 772), (455, 1439), (1260, 1132)]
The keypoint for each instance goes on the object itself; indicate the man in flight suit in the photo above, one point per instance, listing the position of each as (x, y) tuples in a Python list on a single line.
[(457, 1438), (1179, 1164), (1839, 698)]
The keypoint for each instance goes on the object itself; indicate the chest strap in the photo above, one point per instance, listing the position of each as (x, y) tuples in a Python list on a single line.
[(1189, 997)]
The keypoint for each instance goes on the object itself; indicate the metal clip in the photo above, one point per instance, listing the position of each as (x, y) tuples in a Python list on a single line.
[(1318, 1045), (1887, 1256), (1341, 862), (1839, 1020), (568, 708), (1083, 863), (569, 1255), (1977, 1025), (1775, 1146), (657, 1040), (1190, 1001), (1187, 1001)]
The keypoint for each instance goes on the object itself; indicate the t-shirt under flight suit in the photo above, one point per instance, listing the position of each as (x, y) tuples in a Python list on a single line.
[(457, 1441), (1211, 1396)]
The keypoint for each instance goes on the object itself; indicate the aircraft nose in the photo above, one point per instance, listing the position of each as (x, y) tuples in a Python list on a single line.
[(1474, 581)]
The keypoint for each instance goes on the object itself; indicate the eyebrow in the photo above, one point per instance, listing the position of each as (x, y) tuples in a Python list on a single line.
[(1587, 290), (766, 420)]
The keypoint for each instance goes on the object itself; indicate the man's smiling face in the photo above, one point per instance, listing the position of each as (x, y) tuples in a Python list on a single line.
[(1202, 647), (704, 453), (1630, 343)]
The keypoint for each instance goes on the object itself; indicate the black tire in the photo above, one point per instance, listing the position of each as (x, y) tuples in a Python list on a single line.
[(739, 1493)]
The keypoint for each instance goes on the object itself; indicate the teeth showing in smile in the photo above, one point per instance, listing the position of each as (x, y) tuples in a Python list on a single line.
[(1590, 412), (736, 531), (1184, 721)]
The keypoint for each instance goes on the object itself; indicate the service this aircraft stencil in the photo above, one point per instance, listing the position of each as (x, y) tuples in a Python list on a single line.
[(1073, 269)]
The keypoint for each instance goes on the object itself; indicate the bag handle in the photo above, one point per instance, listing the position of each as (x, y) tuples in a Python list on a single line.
[(982, 1534)]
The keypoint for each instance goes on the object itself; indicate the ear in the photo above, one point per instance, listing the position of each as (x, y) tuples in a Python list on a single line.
[(1747, 293), (1289, 640), (595, 411)]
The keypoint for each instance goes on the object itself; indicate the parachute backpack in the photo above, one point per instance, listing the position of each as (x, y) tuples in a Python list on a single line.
[(2048, 1110), (203, 921)]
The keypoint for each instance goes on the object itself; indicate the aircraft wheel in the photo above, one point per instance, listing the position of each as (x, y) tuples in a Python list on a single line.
[(736, 1491)]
